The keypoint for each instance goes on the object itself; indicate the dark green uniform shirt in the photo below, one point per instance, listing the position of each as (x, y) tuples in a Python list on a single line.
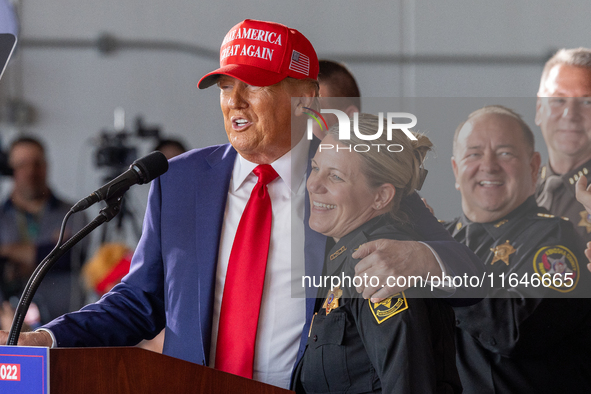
[(556, 193), (523, 344)]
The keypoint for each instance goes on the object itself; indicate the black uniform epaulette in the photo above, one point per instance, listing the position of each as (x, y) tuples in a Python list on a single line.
[(545, 215), (549, 216)]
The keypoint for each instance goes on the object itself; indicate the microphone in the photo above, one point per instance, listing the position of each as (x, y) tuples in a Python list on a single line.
[(141, 171)]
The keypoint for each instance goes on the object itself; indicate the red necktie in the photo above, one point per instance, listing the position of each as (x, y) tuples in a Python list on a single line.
[(245, 278)]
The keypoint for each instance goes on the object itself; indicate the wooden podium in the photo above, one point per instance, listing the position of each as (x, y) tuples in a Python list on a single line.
[(124, 370)]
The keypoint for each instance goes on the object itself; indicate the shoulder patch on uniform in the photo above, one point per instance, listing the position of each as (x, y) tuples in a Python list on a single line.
[(389, 307), (558, 260)]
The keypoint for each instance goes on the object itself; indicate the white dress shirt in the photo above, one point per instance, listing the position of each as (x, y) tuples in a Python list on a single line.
[(282, 315)]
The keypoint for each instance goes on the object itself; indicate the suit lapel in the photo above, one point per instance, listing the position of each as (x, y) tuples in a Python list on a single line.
[(210, 205), (314, 248), (315, 243)]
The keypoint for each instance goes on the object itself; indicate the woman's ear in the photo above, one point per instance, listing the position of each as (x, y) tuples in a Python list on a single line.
[(384, 195)]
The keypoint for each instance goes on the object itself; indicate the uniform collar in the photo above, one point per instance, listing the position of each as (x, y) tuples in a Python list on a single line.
[(499, 227)]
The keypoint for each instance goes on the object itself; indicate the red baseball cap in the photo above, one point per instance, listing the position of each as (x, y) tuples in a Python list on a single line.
[(263, 53)]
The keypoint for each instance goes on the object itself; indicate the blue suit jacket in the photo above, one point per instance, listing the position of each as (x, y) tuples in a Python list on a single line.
[(172, 278)]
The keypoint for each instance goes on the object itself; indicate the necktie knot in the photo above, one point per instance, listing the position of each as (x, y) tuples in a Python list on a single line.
[(266, 173), (553, 182)]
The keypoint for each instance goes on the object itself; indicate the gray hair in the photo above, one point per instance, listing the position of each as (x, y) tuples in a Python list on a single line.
[(576, 57)]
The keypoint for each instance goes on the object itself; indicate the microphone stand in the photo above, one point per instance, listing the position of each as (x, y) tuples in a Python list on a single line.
[(106, 214)]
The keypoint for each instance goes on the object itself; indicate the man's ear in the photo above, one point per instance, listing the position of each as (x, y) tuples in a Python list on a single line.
[(351, 109), (538, 118), (535, 163), (454, 167), (384, 195), (302, 102), (299, 105)]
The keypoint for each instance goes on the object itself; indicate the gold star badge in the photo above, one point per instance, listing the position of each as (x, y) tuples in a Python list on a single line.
[(585, 221), (332, 300), (502, 252)]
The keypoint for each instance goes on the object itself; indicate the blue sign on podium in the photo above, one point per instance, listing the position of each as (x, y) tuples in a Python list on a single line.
[(24, 369)]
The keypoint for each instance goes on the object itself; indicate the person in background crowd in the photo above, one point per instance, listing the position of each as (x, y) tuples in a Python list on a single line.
[(563, 112), (171, 147), (30, 221), (506, 342), (338, 90)]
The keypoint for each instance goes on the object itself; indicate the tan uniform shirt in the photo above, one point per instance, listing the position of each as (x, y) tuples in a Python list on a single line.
[(556, 193)]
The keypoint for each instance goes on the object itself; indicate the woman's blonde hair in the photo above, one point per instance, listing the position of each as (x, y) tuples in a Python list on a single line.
[(403, 169)]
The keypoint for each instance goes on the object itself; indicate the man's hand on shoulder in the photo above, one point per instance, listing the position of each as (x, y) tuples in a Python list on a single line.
[(588, 254), (36, 338), (387, 258), (584, 197)]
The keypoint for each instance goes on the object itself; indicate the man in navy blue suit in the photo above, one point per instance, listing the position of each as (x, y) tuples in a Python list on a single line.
[(179, 269)]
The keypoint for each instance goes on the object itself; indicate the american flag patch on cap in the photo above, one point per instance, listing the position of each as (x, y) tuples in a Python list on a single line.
[(300, 63)]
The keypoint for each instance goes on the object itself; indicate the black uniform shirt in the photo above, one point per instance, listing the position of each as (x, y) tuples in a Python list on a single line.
[(524, 344), (399, 345), (556, 193)]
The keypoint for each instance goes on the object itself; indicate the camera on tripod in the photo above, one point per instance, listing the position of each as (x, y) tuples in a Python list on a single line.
[(115, 151)]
